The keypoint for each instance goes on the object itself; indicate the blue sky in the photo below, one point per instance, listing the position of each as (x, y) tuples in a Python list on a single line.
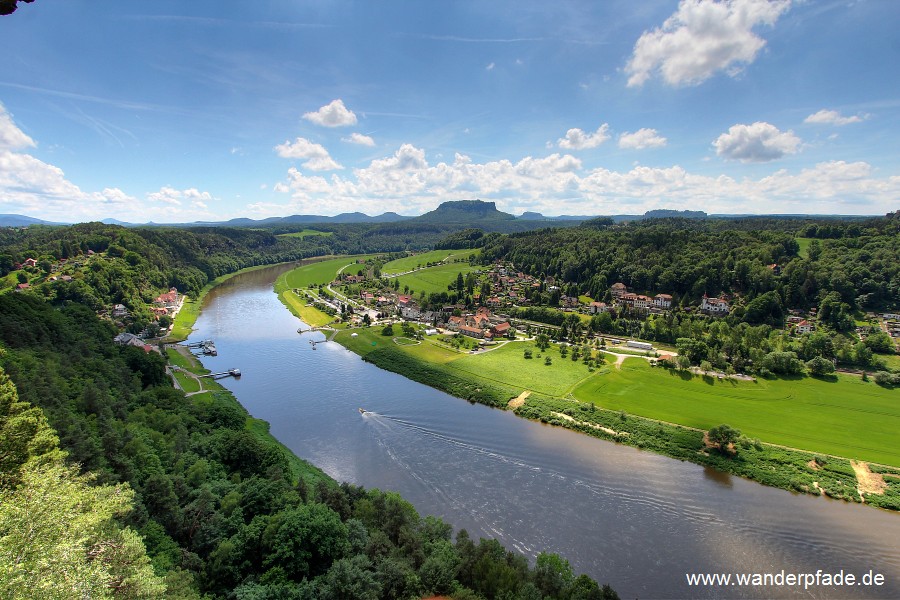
[(179, 111)]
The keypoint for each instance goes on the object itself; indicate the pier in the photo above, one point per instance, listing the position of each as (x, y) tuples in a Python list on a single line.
[(207, 347), (229, 373)]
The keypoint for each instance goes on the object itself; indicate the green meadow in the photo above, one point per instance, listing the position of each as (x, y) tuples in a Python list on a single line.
[(408, 263), (435, 279), (318, 272), (844, 416), (507, 365), (804, 246)]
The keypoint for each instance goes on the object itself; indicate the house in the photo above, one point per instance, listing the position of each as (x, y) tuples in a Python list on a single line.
[(663, 301), (637, 301), (128, 339), (618, 289), (23, 286), (169, 299), (367, 296), (66, 278), (715, 307), (404, 300), (410, 312), (598, 307), (501, 329), (473, 332), (775, 268), (456, 323), (805, 327), (119, 311)]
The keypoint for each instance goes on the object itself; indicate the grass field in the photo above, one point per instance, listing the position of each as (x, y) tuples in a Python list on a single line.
[(316, 273), (402, 265), (845, 417), (304, 233), (507, 365), (188, 383), (435, 279), (804, 246)]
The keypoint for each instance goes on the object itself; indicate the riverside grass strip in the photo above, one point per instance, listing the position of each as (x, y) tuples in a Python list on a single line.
[(766, 463)]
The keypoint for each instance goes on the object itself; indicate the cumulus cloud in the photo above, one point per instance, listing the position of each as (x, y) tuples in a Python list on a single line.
[(333, 114), (641, 139), (168, 195), (11, 137), (315, 156), (759, 142), (702, 38), (408, 183), (576, 139), (358, 138), (832, 117)]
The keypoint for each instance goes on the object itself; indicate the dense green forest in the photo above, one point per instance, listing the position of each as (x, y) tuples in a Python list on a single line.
[(860, 261), (222, 509)]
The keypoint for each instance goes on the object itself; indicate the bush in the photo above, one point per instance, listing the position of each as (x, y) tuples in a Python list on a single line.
[(886, 379)]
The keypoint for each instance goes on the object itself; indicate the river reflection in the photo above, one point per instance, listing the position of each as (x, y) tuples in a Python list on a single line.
[(631, 518)]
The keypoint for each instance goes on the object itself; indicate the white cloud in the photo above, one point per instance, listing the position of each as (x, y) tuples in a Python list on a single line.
[(576, 139), (358, 138), (315, 156), (833, 117), (702, 38), (759, 142), (641, 139), (406, 182), (490, 67), (11, 137), (333, 114), (170, 196)]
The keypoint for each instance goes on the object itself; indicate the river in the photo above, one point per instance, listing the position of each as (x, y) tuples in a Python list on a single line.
[(634, 519)]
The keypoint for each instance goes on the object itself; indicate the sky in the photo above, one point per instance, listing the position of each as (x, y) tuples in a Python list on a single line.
[(171, 111)]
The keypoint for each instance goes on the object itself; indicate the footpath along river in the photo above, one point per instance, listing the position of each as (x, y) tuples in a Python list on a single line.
[(634, 519)]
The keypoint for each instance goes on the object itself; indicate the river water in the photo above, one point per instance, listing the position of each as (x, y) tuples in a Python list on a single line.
[(636, 520)]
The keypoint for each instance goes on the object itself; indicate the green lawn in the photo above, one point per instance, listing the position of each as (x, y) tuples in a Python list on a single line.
[(435, 279), (402, 265), (845, 417), (310, 315), (188, 383), (304, 233), (508, 365), (804, 246), (316, 273)]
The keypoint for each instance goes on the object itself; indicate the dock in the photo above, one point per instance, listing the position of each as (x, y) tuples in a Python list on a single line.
[(207, 347), (236, 373)]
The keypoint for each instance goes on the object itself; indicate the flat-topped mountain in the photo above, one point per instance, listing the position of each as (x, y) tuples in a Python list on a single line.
[(465, 211)]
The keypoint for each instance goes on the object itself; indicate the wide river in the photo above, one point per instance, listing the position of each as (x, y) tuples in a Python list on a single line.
[(634, 519)]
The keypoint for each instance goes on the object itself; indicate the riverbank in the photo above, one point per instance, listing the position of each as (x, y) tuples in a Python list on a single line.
[(190, 309), (774, 465), (212, 393), (599, 398)]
